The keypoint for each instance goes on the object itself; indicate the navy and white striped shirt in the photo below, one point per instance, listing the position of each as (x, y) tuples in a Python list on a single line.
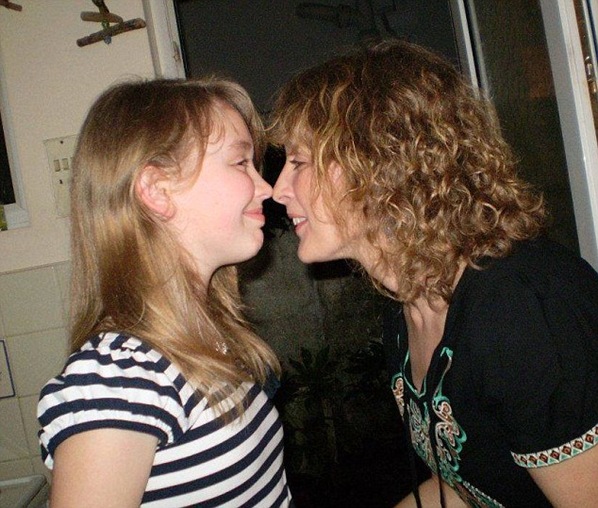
[(117, 381)]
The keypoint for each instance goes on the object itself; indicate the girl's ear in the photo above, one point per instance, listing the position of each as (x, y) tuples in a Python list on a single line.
[(153, 190)]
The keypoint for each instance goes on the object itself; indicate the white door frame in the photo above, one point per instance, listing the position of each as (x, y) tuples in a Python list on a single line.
[(577, 122), (573, 100), (165, 42)]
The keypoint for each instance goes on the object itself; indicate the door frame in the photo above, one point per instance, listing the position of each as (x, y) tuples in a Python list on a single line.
[(573, 101)]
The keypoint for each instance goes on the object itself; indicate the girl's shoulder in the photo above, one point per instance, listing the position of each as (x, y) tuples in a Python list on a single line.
[(123, 355), (117, 381)]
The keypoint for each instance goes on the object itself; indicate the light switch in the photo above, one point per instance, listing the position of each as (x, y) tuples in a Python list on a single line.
[(60, 158)]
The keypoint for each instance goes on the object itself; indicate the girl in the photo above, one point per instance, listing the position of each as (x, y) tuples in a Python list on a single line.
[(492, 340), (165, 399)]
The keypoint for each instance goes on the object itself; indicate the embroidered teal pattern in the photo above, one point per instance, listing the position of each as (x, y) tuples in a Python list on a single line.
[(420, 430), (449, 437)]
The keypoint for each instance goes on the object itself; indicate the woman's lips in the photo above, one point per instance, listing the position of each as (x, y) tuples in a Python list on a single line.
[(298, 222)]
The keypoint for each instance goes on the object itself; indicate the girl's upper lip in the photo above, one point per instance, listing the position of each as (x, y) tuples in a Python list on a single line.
[(255, 211)]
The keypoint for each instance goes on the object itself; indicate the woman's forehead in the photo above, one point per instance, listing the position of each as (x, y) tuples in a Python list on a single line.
[(296, 147)]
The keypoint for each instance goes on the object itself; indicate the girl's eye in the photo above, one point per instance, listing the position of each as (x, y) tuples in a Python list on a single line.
[(244, 163)]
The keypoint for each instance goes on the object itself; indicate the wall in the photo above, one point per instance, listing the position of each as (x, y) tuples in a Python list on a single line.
[(50, 83)]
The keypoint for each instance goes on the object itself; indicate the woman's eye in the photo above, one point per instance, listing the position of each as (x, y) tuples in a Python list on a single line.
[(296, 163)]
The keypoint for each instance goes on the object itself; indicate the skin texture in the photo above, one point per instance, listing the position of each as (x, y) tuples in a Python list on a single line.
[(320, 238), (104, 468), (218, 218)]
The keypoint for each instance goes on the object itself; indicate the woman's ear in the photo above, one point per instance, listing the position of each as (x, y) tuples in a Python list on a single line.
[(153, 190), (336, 172)]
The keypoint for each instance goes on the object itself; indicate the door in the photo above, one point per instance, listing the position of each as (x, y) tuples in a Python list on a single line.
[(527, 55)]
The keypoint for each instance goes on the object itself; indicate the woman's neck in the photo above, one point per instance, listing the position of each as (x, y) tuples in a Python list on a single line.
[(425, 327), (426, 322)]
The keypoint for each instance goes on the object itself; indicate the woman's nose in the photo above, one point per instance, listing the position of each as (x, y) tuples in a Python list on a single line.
[(263, 189), (282, 189)]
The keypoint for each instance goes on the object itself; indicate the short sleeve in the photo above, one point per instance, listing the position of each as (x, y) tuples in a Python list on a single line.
[(115, 382), (537, 373)]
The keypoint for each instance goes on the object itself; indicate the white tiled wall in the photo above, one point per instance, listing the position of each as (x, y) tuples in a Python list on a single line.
[(33, 310)]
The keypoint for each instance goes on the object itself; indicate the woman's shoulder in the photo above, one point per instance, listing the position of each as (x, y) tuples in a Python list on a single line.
[(541, 265), (118, 343), (539, 280)]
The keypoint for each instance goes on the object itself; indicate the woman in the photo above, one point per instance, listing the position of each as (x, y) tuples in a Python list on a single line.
[(394, 162), (165, 399)]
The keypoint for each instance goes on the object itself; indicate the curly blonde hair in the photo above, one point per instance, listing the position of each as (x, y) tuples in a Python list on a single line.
[(423, 160)]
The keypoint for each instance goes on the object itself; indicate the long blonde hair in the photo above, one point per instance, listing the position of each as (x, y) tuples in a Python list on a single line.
[(423, 161), (129, 273)]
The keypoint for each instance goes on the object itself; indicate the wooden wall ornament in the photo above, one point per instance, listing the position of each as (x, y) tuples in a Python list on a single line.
[(105, 17), (10, 5)]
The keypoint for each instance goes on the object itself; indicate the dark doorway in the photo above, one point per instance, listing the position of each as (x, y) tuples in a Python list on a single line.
[(344, 444)]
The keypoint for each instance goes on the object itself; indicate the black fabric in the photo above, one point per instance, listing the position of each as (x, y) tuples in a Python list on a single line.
[(516, 371)]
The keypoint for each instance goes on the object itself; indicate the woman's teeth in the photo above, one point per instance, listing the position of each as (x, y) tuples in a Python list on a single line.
[(298, 220)]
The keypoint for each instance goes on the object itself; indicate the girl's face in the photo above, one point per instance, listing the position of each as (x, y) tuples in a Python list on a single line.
[(218, 218), (320, 236)]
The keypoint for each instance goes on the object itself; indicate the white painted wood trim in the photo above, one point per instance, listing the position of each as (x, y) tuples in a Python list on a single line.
[(16, 213), (164, 38), (464, 41), (577, 123)]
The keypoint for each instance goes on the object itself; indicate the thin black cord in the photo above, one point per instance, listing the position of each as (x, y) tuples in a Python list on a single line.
[(415, 483), (437, 460)]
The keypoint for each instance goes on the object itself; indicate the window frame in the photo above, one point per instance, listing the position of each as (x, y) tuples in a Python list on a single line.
[(16, 213)]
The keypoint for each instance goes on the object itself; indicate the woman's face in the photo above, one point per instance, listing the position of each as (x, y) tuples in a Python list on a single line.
[(320, 236), (218, 218)]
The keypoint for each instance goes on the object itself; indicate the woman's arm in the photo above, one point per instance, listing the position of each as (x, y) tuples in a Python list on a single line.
[(571, 483), (106, 468), (429, 494)]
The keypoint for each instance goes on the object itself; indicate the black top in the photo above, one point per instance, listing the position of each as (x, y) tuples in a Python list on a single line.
[(513, 383)]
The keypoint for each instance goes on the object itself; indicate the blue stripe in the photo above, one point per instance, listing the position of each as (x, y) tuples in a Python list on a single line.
[(220, 449), (123, 363), (269, 487), (111, 404), (102, 424), (222, 475), (95, 379), (284, 495)]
